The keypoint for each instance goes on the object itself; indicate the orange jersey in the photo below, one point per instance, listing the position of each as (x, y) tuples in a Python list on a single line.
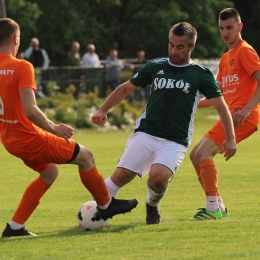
[(235, 74), (17, 131)]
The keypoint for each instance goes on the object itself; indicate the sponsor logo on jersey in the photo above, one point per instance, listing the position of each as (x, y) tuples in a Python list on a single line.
[(232, 62), (230, 80), (6, 72), (160, 72), (160, 83), (229, 91)]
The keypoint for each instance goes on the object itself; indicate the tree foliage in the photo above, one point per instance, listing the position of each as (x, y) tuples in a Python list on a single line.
[(126, 25), (26, 14), (250, 12)]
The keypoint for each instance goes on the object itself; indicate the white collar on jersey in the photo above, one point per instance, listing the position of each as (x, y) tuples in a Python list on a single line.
[(190, 62)]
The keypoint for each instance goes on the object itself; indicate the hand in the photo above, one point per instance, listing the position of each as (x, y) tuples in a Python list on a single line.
[(240, 116), (99, 118), (230, 147), (65, 131)]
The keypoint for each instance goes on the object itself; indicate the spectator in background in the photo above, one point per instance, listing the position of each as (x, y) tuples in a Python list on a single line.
[(141, 94), (90, 59), (113, 70), (139, 62), (73, 56), (36, 55), (20, 55)]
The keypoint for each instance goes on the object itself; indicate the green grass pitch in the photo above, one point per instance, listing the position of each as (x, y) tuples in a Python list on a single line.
[(127, 236)]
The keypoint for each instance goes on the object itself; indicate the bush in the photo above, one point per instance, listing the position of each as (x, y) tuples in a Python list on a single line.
[(63, 107)]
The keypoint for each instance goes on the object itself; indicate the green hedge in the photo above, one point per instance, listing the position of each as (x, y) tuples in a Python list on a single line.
[(64, 108)]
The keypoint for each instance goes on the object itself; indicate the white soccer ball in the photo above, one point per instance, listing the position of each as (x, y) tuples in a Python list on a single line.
[(86, 214)]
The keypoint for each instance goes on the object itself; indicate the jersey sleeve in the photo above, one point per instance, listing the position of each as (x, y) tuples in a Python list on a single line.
[(143, 77), (26, 77), (249, 60), (209, 87)]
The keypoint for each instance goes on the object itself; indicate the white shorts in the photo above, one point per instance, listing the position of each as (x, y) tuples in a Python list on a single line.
[(143, 150)]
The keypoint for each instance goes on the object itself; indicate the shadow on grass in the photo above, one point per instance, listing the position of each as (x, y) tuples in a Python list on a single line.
[(111, 229)]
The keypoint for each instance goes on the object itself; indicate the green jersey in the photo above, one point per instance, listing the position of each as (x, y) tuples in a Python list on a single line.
[(175, 94)]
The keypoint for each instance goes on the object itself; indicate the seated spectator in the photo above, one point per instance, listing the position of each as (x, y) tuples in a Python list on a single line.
[(73, 56), (36, 55), (90, 59)]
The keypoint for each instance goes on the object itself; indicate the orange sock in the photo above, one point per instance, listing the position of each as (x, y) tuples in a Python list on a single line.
[(209, 177), (30, 200), (95, 184), (197, 169)]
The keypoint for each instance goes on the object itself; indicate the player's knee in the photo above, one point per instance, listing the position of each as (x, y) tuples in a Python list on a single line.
[(122, 176), (85, 159), (192, 156), (50, 174), (197, 155), (159, 180)]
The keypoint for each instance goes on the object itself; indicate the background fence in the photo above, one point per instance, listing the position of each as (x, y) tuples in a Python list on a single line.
[(86, 79)]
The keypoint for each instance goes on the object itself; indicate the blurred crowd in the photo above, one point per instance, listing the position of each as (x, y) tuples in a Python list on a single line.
[(90, 59)]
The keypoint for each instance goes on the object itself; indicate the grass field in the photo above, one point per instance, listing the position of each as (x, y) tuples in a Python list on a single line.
[(127, 236)]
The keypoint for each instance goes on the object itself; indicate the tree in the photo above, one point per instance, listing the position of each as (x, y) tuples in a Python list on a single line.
[(126, 25), (26, 14), (250, 17)]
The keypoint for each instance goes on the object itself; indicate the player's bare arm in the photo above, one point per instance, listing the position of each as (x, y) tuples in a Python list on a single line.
[(240, 116), (99, 117), (204, 103), (226, 119), (32, 111), (207, 102)]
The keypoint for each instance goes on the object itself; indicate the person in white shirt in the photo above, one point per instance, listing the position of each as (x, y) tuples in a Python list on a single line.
[(90, 59)]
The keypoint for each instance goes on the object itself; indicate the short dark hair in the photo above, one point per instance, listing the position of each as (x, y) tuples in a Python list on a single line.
[(184, 28), (230, 13), (8, 28)]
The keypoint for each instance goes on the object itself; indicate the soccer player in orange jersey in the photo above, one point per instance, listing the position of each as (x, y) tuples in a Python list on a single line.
[(239, 80), (28, 134)]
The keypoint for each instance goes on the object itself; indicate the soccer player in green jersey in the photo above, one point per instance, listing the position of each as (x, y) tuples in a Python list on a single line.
[(164, 130)]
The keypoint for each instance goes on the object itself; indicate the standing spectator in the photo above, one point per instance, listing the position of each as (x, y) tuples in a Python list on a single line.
[(113, 70), (90, 59), (20, 55), (73, 56), (139, 62), (36, 55), (40, 60), (142, 94)]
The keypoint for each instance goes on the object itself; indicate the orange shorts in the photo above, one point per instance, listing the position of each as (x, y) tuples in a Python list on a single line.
[(217, 132), (46, 149)]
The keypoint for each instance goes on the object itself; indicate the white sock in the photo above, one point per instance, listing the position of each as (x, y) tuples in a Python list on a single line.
[(153, 198), (212, 203), (15, 225), (221, 204), (105, 206), (112, 188)]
